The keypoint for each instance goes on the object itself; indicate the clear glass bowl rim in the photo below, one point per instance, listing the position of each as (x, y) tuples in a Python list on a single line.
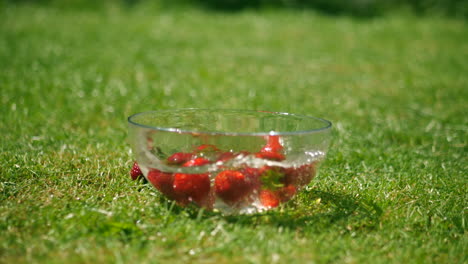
[(327, 124)]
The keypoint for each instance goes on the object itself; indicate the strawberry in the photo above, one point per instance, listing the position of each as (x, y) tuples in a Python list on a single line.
[(208, 201), (272, 150), (233, 186), (225, 156), (274, 190), (269, 199), (196, 162), (300, 176), (270, 156), (192, 187), (273, 144), (179, 158), (253, 177), (206, 148), (135, 172), (207, 151), (286, 193), (252, 173), (164, 182)]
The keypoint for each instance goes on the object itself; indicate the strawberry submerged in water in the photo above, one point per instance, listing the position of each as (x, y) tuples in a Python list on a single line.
[(225, 156), (179, 158), (181, 187), (274, 189), (300, 176), (164, 182), (206, 148), (273, 198), (196, 162), (269, 198), (286, 193), (270, 156), (234, 187), (193, 187), (272, 149), (273, 144)]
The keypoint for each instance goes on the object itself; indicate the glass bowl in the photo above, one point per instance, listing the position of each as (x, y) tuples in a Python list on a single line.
[(232, 161)]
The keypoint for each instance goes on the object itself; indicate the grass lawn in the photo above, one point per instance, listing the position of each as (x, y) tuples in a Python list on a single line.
[(392, 190)]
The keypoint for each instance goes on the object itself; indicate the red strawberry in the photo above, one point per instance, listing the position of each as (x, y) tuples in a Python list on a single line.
[(272, 150), (225, 156), (135, 172), (164, 182), (206, 148), (252, 173), (269, 199), (179, 158), (270, 156), (207, 151), (273, 144), (286, 193), (300, 176), (233, 186), (252, 176), (192, 187), (208, 201), (196, 162)]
